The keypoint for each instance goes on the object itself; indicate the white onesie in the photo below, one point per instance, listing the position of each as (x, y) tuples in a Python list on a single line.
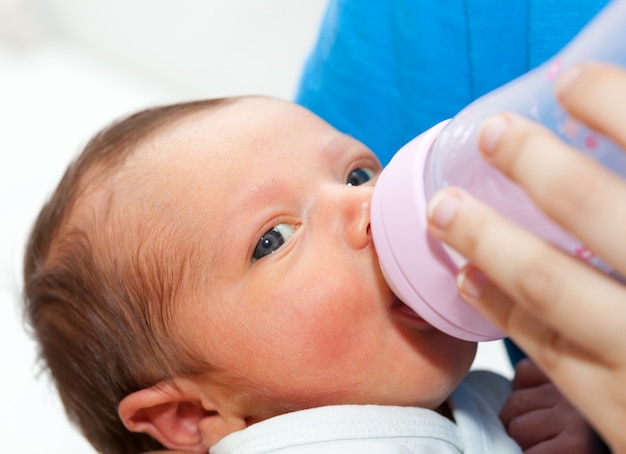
[(375, 429)]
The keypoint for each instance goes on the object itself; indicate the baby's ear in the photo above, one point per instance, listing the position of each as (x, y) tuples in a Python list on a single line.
[(179, 418)]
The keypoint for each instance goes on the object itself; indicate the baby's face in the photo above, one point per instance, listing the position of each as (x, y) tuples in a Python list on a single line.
[(294, 308)]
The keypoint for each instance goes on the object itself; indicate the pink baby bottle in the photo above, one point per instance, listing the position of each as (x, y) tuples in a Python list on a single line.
[(419, 269)]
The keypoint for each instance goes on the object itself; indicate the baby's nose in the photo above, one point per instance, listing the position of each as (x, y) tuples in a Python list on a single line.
[(357, 211)]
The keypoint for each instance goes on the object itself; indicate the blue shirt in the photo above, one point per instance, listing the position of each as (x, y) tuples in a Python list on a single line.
[(386, 70)]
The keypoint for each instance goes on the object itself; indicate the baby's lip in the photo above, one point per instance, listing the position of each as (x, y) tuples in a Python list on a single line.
[(400, 306), (404, 311)]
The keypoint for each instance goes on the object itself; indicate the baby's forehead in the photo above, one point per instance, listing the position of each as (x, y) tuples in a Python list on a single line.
[(221, 127), (215, 154), (235, 135)]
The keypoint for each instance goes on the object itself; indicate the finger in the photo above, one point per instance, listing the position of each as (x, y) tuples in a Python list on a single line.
[(528, 400), (512, 318), (528, 375), (596, 94), (564, 294), (555, 352), (532, 428), (569, 186), (581, 376), (582, 442), (568, 432)]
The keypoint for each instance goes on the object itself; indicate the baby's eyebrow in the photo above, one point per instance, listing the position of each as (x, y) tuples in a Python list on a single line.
[(259, 192), (243, 207)]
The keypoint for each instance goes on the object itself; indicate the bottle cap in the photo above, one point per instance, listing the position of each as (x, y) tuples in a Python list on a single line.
[(416, 265)]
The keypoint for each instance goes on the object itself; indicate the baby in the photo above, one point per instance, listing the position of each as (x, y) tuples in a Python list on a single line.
[(204, 278)]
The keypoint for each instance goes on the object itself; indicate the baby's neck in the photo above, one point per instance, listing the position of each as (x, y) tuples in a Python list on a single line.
[(445, 411)]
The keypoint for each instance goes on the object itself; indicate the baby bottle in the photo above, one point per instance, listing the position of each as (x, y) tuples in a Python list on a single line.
[(419, 269)]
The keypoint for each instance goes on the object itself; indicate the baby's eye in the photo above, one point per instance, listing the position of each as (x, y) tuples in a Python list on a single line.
[(272, 240), (360, 176)]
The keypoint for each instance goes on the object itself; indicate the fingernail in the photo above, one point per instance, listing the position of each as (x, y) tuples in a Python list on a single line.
[(470, 282), (442, 208), (491, 132), (567, 79)]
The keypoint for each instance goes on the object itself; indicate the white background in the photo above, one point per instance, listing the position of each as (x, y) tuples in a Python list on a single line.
[(67, 68)]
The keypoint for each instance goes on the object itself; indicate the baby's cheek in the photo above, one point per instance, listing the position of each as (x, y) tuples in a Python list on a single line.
[(329, 336), (323, 339)]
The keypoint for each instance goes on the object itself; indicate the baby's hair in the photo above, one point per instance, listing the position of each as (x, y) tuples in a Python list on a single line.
[(98, 298)]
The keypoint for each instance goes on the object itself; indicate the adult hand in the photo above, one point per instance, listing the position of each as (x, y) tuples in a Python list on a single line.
[(570, 318)]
